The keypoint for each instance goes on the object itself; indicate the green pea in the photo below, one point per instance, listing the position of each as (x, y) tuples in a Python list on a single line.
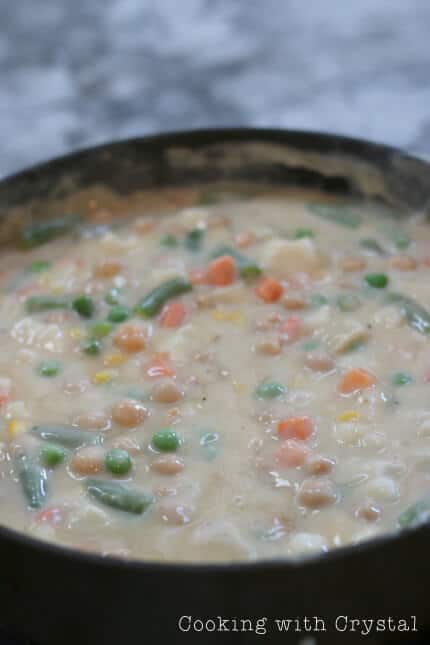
[(165, 440), (101, 328), (119, 314), (317, 300), (48, 368), (112, 296), (310, 345), (348, 302), (169, 240), (91, 346), (269, 390), (301, 233), (38, 266), (52, 455), (401, 378), (118, 461), (194, 239), (84, 306), (376, 280)]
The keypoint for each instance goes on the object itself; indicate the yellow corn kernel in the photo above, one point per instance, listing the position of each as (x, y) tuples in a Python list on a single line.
[(105, 376), (239, 388), (14, 427), (114, 359), (349, 415), (298, 381), (77, 333), (224, 315)]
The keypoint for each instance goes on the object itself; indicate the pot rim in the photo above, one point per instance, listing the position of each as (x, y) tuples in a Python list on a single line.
[(323, 143)]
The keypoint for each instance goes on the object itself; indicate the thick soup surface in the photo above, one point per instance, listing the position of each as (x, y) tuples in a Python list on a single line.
[(234, 380)]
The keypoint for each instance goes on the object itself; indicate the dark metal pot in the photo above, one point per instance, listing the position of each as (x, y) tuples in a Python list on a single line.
[(53, 595)]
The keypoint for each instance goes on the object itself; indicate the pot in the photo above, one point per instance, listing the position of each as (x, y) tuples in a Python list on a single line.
[(53, 595)]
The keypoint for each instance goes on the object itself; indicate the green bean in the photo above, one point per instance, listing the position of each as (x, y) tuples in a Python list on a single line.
[(118, 314), (69, 436), (33, 481), (301, 233), (417, 317), (35, 304), (342, 215), (151, 304), (169, 241), (348, 302), (418, 513), (119, 496), (369, 244), (248, 269), (41, 232), (194, 240), (84, 306), (38, 266)]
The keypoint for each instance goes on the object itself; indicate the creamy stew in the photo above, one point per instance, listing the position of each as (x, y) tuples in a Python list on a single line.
[(216, 377)]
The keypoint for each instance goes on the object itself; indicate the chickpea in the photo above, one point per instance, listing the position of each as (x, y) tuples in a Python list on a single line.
[(318, 465), (319, 362), (130, 337), (166, 392), (108, 268), (268, 345), (368, 512), (293, 302), (403, 262), (143, 225), (352, 264), (92, 421), (317, 493), (168, 465), (87, 461), (129, 413)]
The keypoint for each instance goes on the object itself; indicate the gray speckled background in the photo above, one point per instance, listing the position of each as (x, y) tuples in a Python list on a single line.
[(77, 72)]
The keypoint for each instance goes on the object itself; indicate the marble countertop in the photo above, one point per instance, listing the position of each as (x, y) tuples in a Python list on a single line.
[(82, 72)]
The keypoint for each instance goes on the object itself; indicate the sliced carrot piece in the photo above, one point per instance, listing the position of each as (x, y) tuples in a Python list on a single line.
[(198, 276), (221, 271), (5, 395), (173, 314), (291, 329), (269, 290), (295, 428), (50, 515), (355, 380), (291, 454), (160, 366)]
